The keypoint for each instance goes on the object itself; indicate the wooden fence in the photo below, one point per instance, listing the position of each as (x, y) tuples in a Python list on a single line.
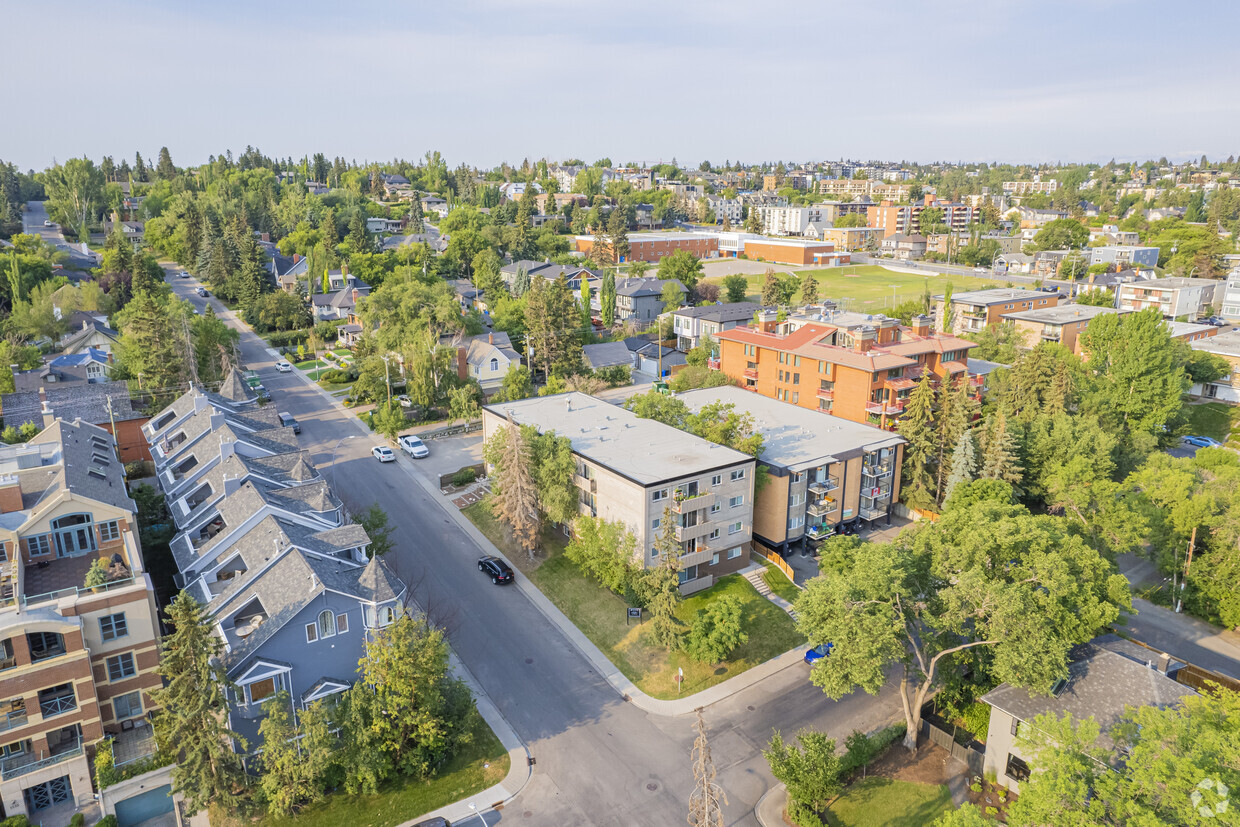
[(973, 757), (772, 557)]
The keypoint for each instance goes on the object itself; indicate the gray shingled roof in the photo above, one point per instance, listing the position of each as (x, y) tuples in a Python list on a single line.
[(86, 402), (607, 354), (235, 390), (100, 478), (736, 312), (1103, 679), (379, 583), (643, 287)]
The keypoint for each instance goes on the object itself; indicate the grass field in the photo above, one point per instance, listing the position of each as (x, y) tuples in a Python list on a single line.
[(779, 582), (1212, 419), (601, 616), (481, 764), (883, 802), (871, 288)]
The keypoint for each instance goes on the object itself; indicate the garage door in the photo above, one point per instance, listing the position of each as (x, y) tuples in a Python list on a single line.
[(148, 805)]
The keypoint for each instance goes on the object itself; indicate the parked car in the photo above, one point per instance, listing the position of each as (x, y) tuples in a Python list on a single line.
[(1202, 441), (818, 652), (414, 447), (434, 822), (287, 420), (201, 291), (495, 568), (47, 222), (980, 270), (405, 401), (264, 395), (383, 453), (283, 366)]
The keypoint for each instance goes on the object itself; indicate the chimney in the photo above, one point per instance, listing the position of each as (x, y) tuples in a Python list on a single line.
[(344, 268), (864, 339), (1164, 663), (490, 338), (921, 325), (356, 295), (46, 409), (296, 257), (228, 447)]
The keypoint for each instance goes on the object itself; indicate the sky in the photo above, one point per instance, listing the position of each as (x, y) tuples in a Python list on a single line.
[(486, 81)]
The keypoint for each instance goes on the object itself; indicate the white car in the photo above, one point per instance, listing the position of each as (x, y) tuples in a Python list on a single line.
[(48, 223), (383, 453), (283, 366), (414, 447), (405, 401)]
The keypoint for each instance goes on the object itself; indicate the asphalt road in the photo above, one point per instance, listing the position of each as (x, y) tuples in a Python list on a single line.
[(32, 223), (599, 760)]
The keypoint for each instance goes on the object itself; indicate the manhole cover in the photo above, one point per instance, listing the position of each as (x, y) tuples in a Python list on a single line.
[(529, 660), (750, 708), (527, 814), (652, 786)]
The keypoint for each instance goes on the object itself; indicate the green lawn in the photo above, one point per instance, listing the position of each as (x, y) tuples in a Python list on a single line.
[(779, 582), (601, 616), (868, 287), (1212, 419), (398, 801), (883, 802)]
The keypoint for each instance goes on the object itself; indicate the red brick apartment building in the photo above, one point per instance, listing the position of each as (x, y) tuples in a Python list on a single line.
[(858, 367)]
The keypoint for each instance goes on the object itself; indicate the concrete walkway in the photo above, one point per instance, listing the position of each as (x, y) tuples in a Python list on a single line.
[(753, 573)]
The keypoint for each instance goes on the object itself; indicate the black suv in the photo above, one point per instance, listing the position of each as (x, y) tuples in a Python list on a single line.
[(496, 569)]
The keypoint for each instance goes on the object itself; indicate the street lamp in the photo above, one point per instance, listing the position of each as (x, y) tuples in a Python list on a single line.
[(473, 809)]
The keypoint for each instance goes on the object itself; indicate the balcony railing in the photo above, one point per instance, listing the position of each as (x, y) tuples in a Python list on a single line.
[(57, 706), (698, 501), (870, 513), (888, 408), (816, 531), (821, 508), (13, 720), (713, 364), (751, 373), (826, 393), (823, 486), (13, 767), (684, 533), (876, 470)]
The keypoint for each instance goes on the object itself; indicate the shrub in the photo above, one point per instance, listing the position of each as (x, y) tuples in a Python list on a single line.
[(335, 376), (803, 815), (992, 811), (97, 574), (107, 821), (464, 477), (286, 338), (78, 820), (134, 470)]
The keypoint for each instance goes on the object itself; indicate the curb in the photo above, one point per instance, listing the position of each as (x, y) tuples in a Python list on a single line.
[(770, 807)]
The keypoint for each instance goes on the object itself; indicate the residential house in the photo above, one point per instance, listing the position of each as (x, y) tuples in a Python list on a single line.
[(434, 240), (639, 472), (341, 301), (133, 231), (1159, 213), (1230, 300), (1007, 243), (1112, 234), (1172, 296), (75, 369), (573, 276), (640, 299), (1046, 263), (105, 404), (698, 325), (488, 358), (974, 310), (262, 541), (77, 664), (290, 272), (88, 330), (1063, 324), (513, 190), (903, 246), (1106, 678), (434, 204), (1014, 262), (851, 239), (1124, 256), (607, 355), (823, 471), (384, 225), (856, 366), (1227, 346)]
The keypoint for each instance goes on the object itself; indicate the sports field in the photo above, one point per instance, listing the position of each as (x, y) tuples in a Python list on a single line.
[(870, 288)]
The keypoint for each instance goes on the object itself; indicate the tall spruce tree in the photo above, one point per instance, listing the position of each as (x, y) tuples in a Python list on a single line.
[(618, 231), (152, 347), (1001, 462), (193, 706), (964, 464), (955, 412), (662, 584), (917, 427), (809, 289), (164, 168)]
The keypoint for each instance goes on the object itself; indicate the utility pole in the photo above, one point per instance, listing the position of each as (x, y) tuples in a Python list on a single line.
[(116, 443), (387, 378), (1188, 564)]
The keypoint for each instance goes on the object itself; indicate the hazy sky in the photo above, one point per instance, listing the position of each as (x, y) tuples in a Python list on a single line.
[(484, 81)]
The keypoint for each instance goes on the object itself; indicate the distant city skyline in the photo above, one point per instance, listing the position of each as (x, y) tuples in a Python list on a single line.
[(487, 81)]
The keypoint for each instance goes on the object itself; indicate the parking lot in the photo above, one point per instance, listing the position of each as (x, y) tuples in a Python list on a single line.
[(448, 455)]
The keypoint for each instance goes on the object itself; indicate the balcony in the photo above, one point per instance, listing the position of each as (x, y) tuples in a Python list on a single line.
[(693, 532), (681, 505), (59, 705), (885, 408), (751, 373), (877, 469), (823, 507), (13, 720), (817, 531), (871, 513), (826, 393), (822, 487), (1050, 336), (13, 766)]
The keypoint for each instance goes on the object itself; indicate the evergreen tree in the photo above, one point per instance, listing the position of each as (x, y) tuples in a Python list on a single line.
[(917, 427), (331, 237), (955, 413), (359, 236), (140, 172), (809, 289), (164, 169), (607, 299), (251, 278), (772, 290), (662, 584), (1001, 459), (521, 283), (516, 496), (964, 464), (151, 346), (618, 230), (193, 704), (285, 782)]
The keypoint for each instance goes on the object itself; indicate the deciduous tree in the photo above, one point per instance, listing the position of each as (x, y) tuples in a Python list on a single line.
[(515, 501)]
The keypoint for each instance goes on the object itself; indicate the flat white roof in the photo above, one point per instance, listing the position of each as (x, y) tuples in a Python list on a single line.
[(643, 450), (1063, 314), (1224, 344), (997, 296), (796, 438)]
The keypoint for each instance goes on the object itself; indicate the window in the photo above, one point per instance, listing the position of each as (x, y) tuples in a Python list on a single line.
[(661, 494), (737, 501), (265, 688), (312, 632), (327, 623), (796, 522), (342, 624), (39, 545), (4, 552), (738, 475), (654, 552), (797, 498), (796, 377), (715, 508), (655, 523), (1017, 769), (387, 615), (735, 528), (45, 645), (734, 552), (716, 480), (128, 705), (121, 667), (113, 626), (109, 531), (1015, 725), (796, 397)]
